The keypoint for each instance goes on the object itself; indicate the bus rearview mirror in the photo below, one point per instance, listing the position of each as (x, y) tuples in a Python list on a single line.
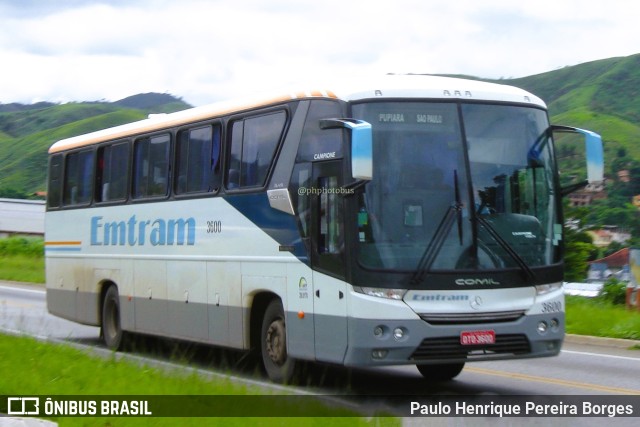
[(594, 153), (361, 145)]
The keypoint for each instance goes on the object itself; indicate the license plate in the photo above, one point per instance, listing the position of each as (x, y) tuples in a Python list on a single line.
[(477, 337)]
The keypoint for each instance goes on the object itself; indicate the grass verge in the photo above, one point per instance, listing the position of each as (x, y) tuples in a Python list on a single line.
[(22, 259), (592, 316), (31, 367), (22, 268)]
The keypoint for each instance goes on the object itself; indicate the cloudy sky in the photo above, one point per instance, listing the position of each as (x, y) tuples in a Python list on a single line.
[(208, 50)]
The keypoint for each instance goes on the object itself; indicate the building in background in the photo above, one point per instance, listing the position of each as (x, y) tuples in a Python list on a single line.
[(21, 217), (608, 234), (615, 265), (588, 195)]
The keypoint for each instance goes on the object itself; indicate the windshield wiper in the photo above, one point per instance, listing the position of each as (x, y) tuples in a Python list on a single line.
[(533, 156), (528, 272), (454, 213)]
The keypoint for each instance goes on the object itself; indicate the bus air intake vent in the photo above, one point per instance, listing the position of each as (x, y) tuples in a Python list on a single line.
[(450, 348), (471, 318)]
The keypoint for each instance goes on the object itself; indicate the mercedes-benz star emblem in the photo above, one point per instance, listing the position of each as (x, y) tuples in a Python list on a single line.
[(476, 303)]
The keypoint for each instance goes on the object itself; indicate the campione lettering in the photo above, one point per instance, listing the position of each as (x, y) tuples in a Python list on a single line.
[(324, 156)]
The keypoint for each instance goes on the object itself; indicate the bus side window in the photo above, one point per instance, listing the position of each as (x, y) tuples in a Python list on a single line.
[(301, 182), (254, 141), (113, 170), (55, 183), (198, 164), (78, 180), (331, 230), (151, 166)]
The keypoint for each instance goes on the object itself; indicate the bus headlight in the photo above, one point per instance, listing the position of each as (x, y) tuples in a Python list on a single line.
[(396, 294), (550, 287)]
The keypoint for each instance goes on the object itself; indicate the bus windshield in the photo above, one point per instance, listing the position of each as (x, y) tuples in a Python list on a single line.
[(458, 187)]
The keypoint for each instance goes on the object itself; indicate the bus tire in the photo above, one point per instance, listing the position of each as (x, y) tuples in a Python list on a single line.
[(444, 372), (273, 344), (111, 331)]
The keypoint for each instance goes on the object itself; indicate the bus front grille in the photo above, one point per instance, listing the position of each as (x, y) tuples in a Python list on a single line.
[(450, 347), (471, 318)]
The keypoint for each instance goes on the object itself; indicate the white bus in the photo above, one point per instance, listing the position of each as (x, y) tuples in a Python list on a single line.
[(412, 220)]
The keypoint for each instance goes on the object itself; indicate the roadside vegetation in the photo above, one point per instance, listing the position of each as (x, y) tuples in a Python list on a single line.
[(22, 259), (47, 369), (604, 315), (52, 369)]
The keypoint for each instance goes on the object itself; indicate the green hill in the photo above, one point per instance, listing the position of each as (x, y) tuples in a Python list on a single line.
[(22, 123), (609, 86), (27, 132), (603, 96), (152, 103)]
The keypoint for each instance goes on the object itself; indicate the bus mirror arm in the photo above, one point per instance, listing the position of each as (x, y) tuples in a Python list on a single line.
[(353, 187), (340, 123), (565, 191), (361, 145)]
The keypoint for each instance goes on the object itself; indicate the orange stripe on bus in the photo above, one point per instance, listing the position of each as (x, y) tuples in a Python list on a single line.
[(62, 243), (180, 118)]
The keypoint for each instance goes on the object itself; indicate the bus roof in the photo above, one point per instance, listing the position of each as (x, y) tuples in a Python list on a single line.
[(437, 87), (391, 86)]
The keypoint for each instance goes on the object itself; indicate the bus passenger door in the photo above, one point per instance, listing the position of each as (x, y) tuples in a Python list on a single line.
[(330, 306)]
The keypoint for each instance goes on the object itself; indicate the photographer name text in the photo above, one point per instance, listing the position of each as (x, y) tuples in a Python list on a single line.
[(530, 409)]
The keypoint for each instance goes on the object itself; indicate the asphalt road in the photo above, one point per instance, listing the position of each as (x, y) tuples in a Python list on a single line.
[(585, 366)]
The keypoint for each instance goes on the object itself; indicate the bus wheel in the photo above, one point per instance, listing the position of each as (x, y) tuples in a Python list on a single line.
[(112, 332), (440, 372), (279, 366)]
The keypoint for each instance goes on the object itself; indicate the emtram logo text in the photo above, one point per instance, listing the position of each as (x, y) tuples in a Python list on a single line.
[(135, 232)]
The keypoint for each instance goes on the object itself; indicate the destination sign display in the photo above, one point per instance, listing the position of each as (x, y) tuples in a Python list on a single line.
[(410, 116)]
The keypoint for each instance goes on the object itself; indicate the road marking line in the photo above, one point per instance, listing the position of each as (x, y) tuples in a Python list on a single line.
[(10, 304), (557, 381), (33, 291), (635, 359)]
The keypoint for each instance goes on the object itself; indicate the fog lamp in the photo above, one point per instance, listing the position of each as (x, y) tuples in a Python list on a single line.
[(542, 327), (398, 333), (379, 354)]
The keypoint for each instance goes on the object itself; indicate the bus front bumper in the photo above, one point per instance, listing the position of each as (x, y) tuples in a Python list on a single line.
[(401, 342)]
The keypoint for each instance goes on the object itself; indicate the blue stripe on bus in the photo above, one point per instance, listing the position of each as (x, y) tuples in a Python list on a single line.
[(63, 249), (282, 227)]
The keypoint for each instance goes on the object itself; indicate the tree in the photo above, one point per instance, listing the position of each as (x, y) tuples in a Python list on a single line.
[(11, 193), (608, 212), (612, 249), (579, 248)]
